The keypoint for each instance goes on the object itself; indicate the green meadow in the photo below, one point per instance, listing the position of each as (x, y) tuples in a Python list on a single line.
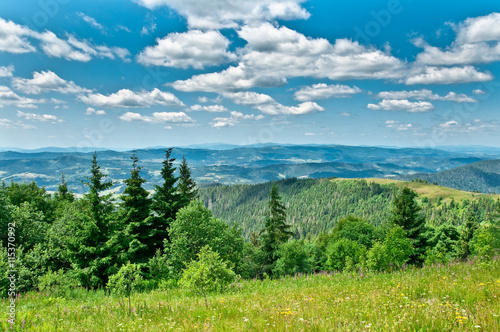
[(454, 297)]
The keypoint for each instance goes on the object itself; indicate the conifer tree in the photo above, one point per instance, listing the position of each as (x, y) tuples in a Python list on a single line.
[(406, 214), (100, 204), (135, 211), (165, 204), (186, 185), (88, 249), (466, 235), (63, 193), (276, 231)]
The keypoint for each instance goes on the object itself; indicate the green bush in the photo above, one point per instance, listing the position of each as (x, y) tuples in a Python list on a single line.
[(207, 274), (339, 251)]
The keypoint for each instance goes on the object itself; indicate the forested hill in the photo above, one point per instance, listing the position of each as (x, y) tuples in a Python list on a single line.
[(315, 205), (482, 176)]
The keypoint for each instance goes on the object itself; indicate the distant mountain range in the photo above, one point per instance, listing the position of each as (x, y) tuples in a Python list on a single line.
[(228, 164)]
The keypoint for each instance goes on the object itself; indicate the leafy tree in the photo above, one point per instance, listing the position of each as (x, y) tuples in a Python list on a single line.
[(342, 251), (482, 244), (469, 228), (293, 258), (406, 214), (135, 209), (30, 226), (276, 231), (394, 252), (194, 228), (186, 185), (399, 247), (377, 259), (165, 204), (127, 280), (208, 274), (37, 197), (5, 215), (355, 229)]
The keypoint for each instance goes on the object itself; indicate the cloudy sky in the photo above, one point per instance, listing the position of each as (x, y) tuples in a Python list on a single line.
[(142, 73)]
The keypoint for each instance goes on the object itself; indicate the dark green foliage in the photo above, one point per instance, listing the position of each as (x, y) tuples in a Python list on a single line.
[(63, 193), (165, 204), (406, 213), (276, 231), (133, 235), (294, 257), (90, 230), (186, 185), (466, 235), (442, 243), (355, 229)]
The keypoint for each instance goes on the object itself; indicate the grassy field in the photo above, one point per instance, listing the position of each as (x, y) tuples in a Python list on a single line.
[(456, 297), (430, 190)]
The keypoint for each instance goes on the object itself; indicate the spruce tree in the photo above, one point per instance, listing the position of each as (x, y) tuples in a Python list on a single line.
[(63, 193), (89, 252), (406, 213), (186, 185), (467, 233), (165, 204), (135, 211), (276, 231)]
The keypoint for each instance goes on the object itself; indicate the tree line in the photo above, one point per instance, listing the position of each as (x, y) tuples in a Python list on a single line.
[(169, 237)]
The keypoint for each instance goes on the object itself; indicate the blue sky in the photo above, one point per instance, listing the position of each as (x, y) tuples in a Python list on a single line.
[(142, 73)]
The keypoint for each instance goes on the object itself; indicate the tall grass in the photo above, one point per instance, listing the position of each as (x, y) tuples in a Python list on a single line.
[(455, 297)]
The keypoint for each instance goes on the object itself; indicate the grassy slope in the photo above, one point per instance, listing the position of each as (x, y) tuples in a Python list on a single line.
[(432, 191), (457, 297)]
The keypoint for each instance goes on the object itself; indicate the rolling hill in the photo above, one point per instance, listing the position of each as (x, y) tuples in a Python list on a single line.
[(482, 176), (315, 205)]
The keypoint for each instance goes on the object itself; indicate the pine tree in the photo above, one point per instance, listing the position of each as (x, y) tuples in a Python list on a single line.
[(186, 185), (406, 214), (276, 231), (466, 235), (135, 211), (165, 204)]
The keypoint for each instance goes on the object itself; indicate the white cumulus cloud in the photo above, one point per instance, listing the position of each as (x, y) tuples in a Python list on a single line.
[(39, 117), (10, 98), (157, 117), (195, 48), (477, 41), (46, 81), (217, 14), (323, 91), (209, 108), (425, 94), (6, 71), (15, 38), (233, 119), (445, 75), (128, 99), (402, 105)]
